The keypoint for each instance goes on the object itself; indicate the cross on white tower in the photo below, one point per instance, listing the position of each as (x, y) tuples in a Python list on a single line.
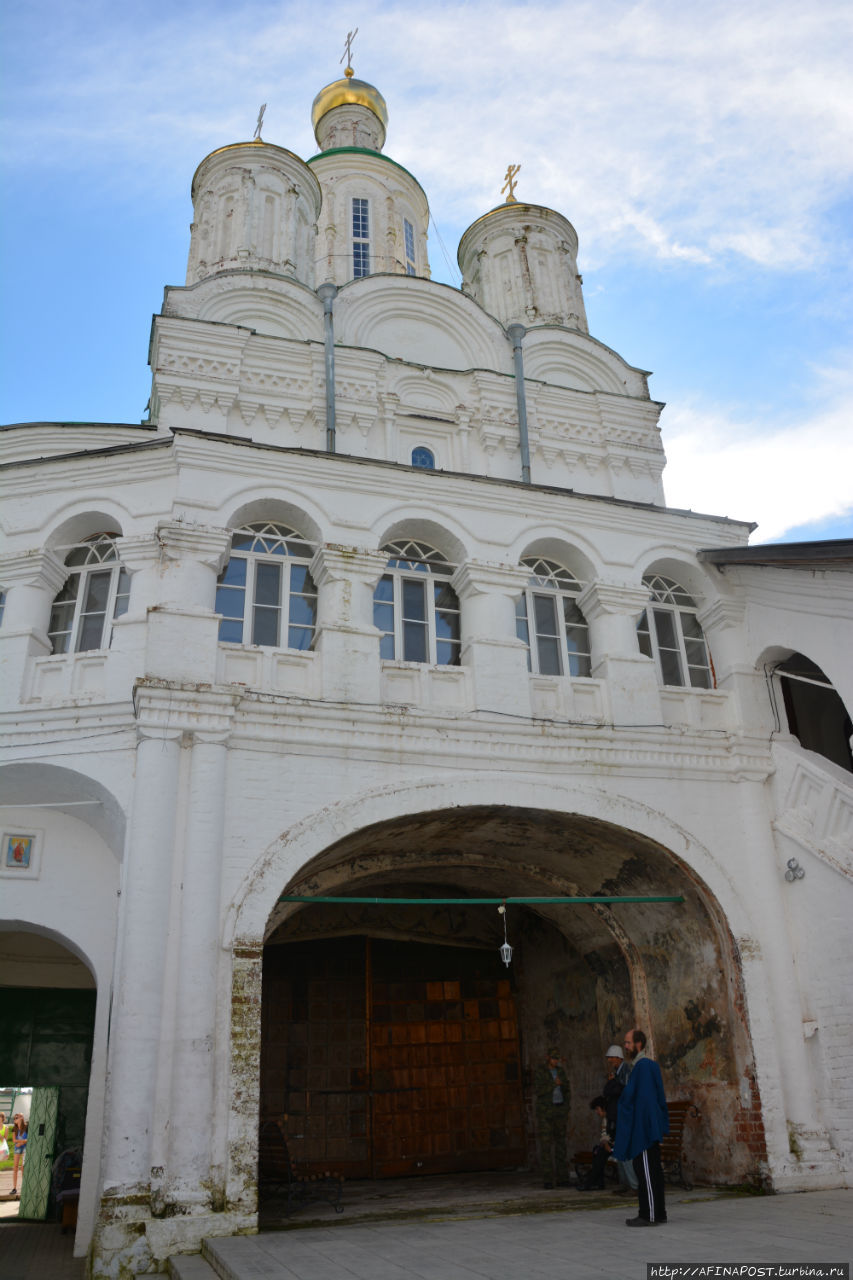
[(510, 182)]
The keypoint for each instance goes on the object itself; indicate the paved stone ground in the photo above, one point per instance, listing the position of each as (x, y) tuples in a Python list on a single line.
[(578, 1243), (33, 1250), (581, 1244), (38, 1251)]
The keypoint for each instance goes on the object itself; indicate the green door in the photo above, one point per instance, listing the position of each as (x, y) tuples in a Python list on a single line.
[(38, 1164)]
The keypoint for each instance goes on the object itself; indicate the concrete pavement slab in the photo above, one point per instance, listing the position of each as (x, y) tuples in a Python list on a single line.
[(585, 1244)]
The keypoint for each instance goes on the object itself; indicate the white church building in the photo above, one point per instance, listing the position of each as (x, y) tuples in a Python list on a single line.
[(384, 601)]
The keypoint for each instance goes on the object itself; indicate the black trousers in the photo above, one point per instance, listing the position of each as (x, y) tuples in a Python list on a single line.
[(650, 1184)]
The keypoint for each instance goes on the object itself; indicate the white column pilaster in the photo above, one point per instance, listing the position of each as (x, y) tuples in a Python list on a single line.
[(490, 647), (612, 611), (136, 1023), (347, 641), (31, 581), (182, 627), (190, 1103), (723, 624)]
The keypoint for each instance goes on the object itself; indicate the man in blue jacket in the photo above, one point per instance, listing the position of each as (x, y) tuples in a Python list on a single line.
[(642, 1121)]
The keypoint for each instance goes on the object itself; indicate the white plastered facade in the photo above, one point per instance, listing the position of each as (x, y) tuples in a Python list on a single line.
[(216, 772)]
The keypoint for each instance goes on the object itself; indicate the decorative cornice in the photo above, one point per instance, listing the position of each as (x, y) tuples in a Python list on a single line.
[(164, 710), (336, 563), (600, 598), (42, 569), (204, 543), (721, 614), (478, 577), (252, 720), (139, 552)]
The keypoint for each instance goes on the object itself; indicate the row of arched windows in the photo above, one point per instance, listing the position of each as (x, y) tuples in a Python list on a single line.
[(266, 596)]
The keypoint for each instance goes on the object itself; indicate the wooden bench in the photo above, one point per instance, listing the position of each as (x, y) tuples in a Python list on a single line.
[(277, 1170), (671, 1148)]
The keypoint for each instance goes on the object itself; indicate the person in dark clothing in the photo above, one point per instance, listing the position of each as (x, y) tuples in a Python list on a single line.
[(602, 1149), (551, 1091), (642, 1121)]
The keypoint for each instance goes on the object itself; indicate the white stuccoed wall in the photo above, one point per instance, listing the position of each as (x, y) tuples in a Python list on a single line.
[(228, 768)]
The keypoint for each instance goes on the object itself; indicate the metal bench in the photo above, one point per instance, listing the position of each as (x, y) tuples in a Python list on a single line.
[(276, 1171)]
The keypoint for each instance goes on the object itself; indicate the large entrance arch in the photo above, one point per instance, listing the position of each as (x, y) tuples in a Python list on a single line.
[(394, 1089)]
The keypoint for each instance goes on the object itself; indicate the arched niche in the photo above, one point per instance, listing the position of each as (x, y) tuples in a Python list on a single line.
[(582, 974), (567, 358), (421, 322), (83, 524), (422, 529), (257, 300), (564, 552), (278, 511)]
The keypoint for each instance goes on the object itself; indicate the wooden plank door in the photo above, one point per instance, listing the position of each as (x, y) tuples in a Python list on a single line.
[(389, 1058), (314, 1053), (444, 1061)]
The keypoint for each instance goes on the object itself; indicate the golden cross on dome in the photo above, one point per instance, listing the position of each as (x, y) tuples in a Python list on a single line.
[(260, 124), (510, 182), (351, 35)]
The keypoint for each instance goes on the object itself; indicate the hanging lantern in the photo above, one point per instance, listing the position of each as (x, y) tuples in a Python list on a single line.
[(506, 949)]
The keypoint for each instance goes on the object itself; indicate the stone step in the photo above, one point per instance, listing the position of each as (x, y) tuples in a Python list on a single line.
[(190, 1266)]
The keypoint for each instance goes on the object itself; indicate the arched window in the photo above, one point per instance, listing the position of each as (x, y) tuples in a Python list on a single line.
[(423, 457), (415, 607), (265, 593), (409, 238), (96, 591), (560, 642), (669, 632), (360, 237), (815, 711)]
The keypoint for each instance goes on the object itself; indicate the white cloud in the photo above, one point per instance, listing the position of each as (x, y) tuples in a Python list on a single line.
[(694, 132), (780, 476)]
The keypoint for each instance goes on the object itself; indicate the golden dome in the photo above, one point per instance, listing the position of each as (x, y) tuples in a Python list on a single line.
[(342, 92)]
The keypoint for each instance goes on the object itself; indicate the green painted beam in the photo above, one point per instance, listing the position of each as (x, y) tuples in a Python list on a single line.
[(468, 902)]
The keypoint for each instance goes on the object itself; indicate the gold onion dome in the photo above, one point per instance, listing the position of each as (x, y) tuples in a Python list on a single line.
[(341, 93)]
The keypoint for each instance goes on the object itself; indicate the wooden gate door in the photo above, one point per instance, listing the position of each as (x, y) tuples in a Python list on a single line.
[(314, 1052), (445, 1071), (391, 1058)]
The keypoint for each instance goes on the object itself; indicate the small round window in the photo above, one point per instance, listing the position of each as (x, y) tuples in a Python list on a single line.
[(423, 457)]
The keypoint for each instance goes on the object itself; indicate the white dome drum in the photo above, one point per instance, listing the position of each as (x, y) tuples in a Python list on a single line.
[(255, 208), (520, 263)]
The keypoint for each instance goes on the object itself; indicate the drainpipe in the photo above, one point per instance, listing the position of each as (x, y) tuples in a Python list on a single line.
[(327, 294), (515, 333)]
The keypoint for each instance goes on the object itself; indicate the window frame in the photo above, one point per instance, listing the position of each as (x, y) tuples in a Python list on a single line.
[(415, 563), (423, 466), (669, 604), (409, 247), (361, 253), (295, 553), (555, 584), (100, 558)]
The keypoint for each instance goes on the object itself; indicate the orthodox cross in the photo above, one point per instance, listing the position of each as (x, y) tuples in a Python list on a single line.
[(351, 35), (259, 125), (510, 182)]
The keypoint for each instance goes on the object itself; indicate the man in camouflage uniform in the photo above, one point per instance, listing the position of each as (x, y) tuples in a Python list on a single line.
[(551, 1090)]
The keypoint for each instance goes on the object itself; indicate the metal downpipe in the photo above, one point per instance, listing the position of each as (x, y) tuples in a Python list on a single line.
[(515, 333), (327, 294)]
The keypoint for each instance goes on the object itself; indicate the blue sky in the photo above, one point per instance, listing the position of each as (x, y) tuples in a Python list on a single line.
[(703, 153)]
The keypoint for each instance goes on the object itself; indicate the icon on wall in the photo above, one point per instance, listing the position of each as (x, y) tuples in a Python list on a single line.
[(20, 853)]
